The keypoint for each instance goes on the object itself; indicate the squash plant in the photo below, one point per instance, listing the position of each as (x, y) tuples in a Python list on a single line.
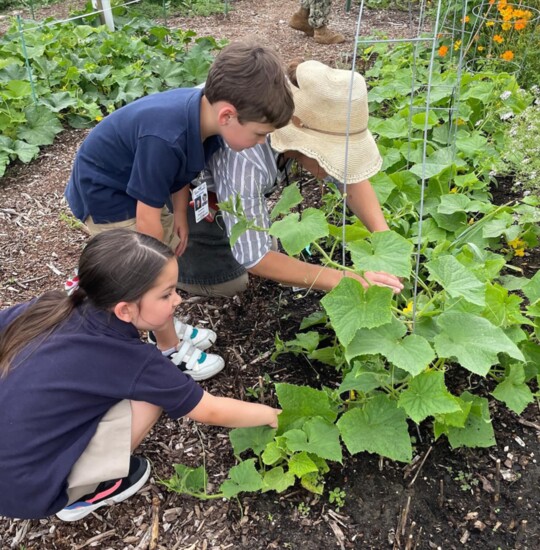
[(472, 311)]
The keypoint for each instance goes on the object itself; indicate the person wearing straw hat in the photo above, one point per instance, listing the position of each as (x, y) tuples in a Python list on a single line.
[(321, 130)]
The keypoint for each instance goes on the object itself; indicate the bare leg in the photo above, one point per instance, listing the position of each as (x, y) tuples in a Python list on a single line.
[(166, 338), (143, 417)]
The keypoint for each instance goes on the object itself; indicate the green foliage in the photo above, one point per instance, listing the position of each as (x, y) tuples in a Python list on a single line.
[(521, 158), (156, 8), (80, 73), (470, 316)]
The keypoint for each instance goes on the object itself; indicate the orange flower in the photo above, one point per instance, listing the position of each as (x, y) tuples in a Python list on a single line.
[(501, 3), (498, 38), (507, 55), (492, 2), (443, 50), (506, 26), (520, 24), (466, 19)]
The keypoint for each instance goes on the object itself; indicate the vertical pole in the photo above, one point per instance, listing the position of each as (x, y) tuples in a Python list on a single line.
[(26, 60), (105, 16)]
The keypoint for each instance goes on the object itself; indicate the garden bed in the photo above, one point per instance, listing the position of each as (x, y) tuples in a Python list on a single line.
[(484, 498)]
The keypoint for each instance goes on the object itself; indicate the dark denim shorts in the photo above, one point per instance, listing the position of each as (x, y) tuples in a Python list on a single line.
[(208, 259)]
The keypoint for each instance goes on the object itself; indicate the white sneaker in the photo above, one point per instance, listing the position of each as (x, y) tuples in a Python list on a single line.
[(196, 363), (201, 338)]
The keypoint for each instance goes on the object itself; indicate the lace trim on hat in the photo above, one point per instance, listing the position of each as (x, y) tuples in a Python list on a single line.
[(299, 124)]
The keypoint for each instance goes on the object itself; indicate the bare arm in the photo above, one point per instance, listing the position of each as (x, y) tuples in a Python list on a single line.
[(362, 200), (148, 220), (232, 413), (180, 201), (291, 271)]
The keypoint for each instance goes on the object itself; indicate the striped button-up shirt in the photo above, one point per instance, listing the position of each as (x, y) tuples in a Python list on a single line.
[(250, 174)]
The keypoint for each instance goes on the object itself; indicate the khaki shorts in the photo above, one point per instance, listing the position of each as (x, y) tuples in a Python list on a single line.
[(106, 457), (167, 221)]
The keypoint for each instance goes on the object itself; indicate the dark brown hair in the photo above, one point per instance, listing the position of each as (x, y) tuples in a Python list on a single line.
[(251, 78), (115, 266)]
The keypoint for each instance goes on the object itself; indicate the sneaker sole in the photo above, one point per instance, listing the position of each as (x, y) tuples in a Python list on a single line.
[(83, 511), (198, 376)]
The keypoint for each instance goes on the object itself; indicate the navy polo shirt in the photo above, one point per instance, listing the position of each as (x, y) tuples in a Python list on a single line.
[(144, 151), (59, 389)]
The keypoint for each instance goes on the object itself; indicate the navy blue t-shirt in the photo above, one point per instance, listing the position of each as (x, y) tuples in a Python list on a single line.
[(145, 151), (59, 389)]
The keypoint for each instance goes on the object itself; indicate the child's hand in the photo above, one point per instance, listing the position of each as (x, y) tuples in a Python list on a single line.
[(274, 422), (379, 278), (181, 229)]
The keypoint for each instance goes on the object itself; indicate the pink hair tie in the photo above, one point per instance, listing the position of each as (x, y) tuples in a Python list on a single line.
[(71, 285)]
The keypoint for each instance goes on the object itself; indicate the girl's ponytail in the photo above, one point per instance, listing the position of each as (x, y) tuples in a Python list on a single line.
[(38, 319), (115, 266)]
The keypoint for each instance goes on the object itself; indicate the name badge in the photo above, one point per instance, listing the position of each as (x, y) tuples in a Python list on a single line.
[(200, 201)]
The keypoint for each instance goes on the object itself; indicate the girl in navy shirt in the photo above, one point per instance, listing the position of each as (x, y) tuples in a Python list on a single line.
[(79, 390)]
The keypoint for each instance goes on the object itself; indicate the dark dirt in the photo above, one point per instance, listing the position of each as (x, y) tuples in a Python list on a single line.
[(444, 499)]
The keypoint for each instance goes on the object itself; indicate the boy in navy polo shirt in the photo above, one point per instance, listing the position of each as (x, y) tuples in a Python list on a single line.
[(139, 160)]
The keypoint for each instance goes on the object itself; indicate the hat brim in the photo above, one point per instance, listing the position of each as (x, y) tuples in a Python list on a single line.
[(363, 157)]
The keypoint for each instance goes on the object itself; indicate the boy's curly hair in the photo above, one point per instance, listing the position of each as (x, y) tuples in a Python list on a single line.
[(251, 78)]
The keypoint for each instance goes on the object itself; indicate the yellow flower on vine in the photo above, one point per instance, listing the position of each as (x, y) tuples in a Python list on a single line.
[(99, 118), (519, 252), (517, 243), (457, 45), (490, 24), (481, 48), (454, 189), (408, 308)]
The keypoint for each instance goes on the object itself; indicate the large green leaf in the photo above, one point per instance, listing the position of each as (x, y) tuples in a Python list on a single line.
[(301, 464), (256, 439), (58, 101), (277, 480), (532, 288), (380, 427), (364, 377), (473, 341), (300, 403), (388, 252), (317, 436), (411, 353), (41, 126), (350, 307), (296, 235), (513, 390), (129, 90), (502, 308), (242, 478), (290, 197), (16, 89), (456, 279), (478, 429), (427, 396)]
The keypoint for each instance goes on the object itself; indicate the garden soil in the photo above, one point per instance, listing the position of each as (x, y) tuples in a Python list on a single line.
[(448, 499)]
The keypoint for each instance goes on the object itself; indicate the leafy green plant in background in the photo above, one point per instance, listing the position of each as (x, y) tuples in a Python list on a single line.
[(80, 73), (521, 157), (157, 9), (475, 313)]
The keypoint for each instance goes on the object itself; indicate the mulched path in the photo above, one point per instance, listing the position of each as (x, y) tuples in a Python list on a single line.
[(443, 499)]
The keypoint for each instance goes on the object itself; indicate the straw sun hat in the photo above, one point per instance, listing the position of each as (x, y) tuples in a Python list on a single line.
[(319, 126)]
